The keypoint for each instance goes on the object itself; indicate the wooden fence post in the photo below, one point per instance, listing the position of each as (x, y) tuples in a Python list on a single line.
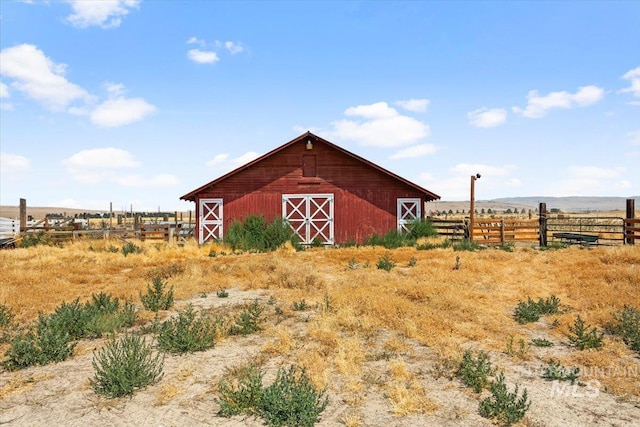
[(542, 218), (631, 214), (23, 215), (502, 231)]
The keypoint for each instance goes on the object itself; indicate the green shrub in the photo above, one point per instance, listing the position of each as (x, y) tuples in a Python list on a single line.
[(530, 311), (241, 391), (222, 293), (255, 234), (186, 333), (95, 318), (385, 263), (45, 343), (131, 248), (6, 316), (299, 305), (124, 365), (626, 325), (583, 338), (541, 342), (466, 245), (475, 371), (249, 320), (555, 371), (520, 351), (507, 247), (353, 264), (290, 401), (430, 246), (157, 297), (35, 239), (504, 406), (421, 228)]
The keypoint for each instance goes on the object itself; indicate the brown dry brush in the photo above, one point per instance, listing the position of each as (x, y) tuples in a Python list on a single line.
[(429, 302)]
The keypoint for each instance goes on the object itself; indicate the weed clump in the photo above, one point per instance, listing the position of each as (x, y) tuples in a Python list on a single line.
[(291, 400), (504, 406), (249, 320), (530, 311), (474, 371), (157, 297), (583, 338), (131, 248), (255, 234), (555, 371), (52, 338), (385, 263), (125, 365), (626, 325), (187, 333), (46, 343)]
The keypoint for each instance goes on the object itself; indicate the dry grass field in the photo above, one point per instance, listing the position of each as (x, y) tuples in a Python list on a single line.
[(385, 345)]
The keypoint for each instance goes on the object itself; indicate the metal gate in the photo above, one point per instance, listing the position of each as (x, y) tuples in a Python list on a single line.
[(408, 210), (210, 224), (310, 216)]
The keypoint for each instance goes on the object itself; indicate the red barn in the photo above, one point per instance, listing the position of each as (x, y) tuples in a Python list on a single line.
[(325, 192)]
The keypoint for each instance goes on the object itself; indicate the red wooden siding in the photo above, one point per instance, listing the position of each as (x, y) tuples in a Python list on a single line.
[(365, 198)]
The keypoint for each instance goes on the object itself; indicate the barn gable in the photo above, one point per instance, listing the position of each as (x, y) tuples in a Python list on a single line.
[(323, 190)]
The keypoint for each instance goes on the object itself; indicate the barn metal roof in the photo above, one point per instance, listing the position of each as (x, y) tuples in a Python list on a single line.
[(191, 196)]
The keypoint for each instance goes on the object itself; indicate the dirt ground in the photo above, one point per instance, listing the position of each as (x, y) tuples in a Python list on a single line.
[(61, 394)]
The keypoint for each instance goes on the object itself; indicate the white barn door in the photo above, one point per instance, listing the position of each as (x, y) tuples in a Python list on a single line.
[(310, 216), (210, 220), (408, 210)]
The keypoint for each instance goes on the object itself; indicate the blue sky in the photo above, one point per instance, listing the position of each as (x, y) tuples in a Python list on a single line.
[(139, 102)]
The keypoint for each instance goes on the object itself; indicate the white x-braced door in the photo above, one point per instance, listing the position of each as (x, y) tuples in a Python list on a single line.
[(210, 220), (408, 210), (310, 216)]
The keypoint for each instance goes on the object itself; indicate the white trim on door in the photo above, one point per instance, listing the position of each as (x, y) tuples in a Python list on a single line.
[(210, 221), (310, 216), (408, 210)]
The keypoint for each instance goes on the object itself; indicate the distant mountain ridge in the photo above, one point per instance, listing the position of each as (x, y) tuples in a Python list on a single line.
[(573, 203)]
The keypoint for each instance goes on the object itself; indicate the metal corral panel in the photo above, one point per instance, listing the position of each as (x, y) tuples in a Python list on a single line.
[(9, 227)]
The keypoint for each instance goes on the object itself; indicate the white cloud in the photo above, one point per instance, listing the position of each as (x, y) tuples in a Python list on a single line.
[(415, 105), (538, 106), (106, 164), (4, 94), (38, 77), (415, 151), (102, 13), (468, 169), (487, 118), (13, 164), (195, 40), (379, 125), (114, 89), (101, 158), (595, 172), (162, 180), (234, 47), (222, 161), (457, 185), (202, 56), (592, 180), (4, 90), (121, 111), (634, 78), (635, 137)]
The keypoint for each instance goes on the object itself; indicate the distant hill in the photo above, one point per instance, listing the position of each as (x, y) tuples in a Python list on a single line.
[(565, 204), (573, 204)]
